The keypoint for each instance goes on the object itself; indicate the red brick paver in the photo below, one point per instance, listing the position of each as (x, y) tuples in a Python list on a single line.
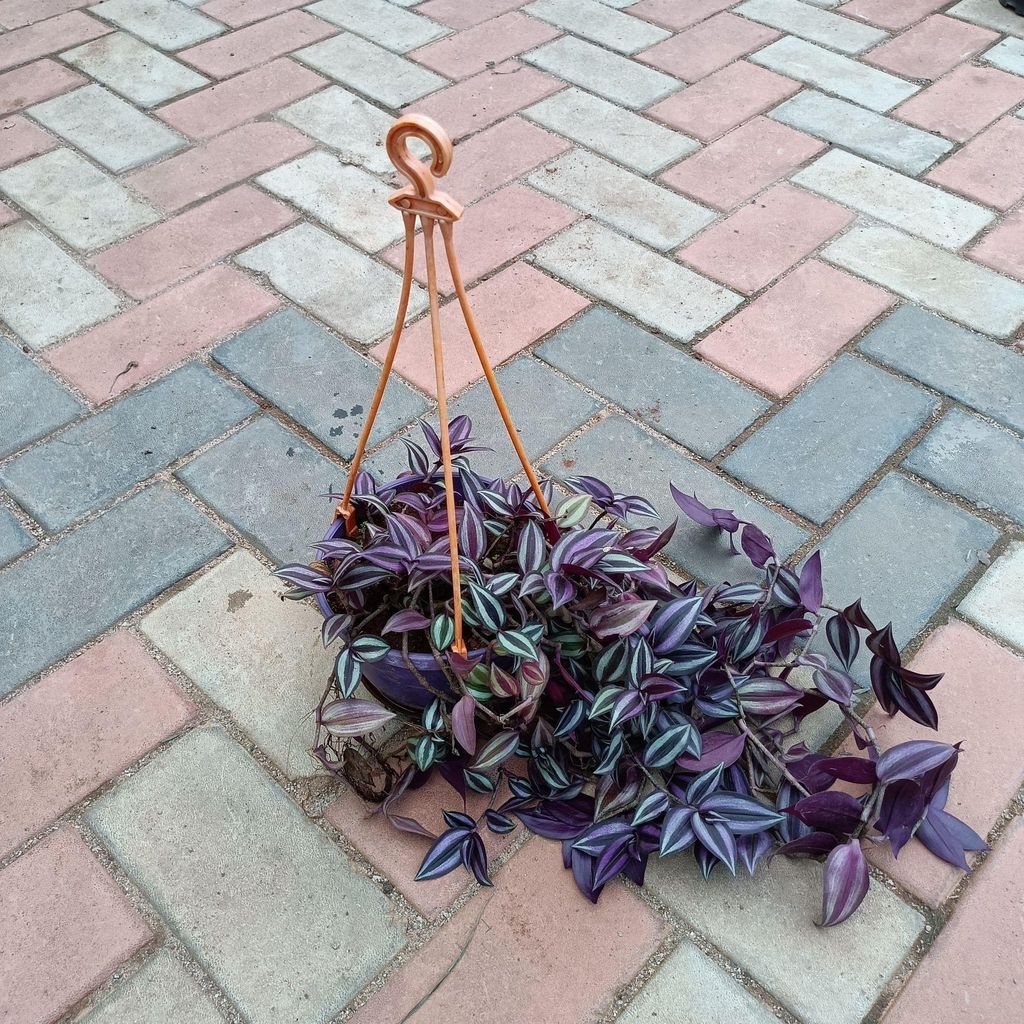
[(887, 14), (1003, 247), (35, 82), (237, 13), (674, 15), (20, 139), (990, 168), (16, 13), (46, 37), (461, 15), (931, 48)]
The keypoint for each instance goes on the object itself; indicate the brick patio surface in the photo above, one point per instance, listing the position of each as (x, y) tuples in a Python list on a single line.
[(772, 250)]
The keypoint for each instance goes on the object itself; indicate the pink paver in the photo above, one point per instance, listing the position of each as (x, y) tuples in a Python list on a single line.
[(164, 254), (508, 322), (886, 14), (972, 975), (16, 13), (931, 48), (79, 727), (488, 43), (497, 156), (537, 940), (38, 81), (479, 101), (742, 163), (503, 226), (795, 327), (227, 104), (459, 14), (963, 102), (990, 168), (20, 139), (722, 101), (675, 15), (708, 46), (229, 158), (65, 927), (763, 239), (161, 332), (46, 37), (241, 50), (399, 854), (1002, 248), (237, 13), (7, 215)]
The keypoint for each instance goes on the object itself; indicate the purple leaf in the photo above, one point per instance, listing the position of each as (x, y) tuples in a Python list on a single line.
[(621, 618), (913, 759), (843, 638), (850, 769), (694, 509), (744, 815), (716, 838), (353, 717), (674, 623), (464, 723), (677, 832), (845, 883), (444, 855), (829, 812), (756, 546), (717, 748), (405, 621), (410, 825), (902, 808), (753, 849), (814, 844), (835, 685), (810, 583)]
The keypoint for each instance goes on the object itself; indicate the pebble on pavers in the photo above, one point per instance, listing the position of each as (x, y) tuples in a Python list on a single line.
[(598, 23), (990, 168), (75, 200), (163, 23), (65, 928), (633, 462), (94, 461), (931, 276), (1007, 55), (160, 992), (106, 128), (317, 380), (672, 391), (995, 600), (133, 347), (539, 936), (43, 404), (654, 289), (616, 78), (136, 71), (951, 359), (380, 22), (879, 138), (1002, 248), (765, 238), (44, 294), (797, 325), (339, 284), (225, 160), (506, 327), (271, 486), (33, 83), (989, 15), (966, 455), (371, 70), (766, 925), (260, 658), (219, 849), (81, 726), (831, 30), (14, 538), (886, 14), (623, 200), (972, 973), (834, 73), (58, 598), (618, 134), (22, 139), (822, 447), (931, 48), (47, 37), (691, 983)]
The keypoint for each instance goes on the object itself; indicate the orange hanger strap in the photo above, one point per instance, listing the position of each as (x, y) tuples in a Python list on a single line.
[(345, 509), (446, 444), (499, 400), (421, 195)]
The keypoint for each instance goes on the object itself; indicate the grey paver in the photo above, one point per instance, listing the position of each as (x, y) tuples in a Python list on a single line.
[(966, 455), (44, 294), (14, 538), (656, 290), (336, 282), (163, 23), (598, 23), (633, 462), (42, 403), (380, 22), (615, 78), (1008, 55), (823, 446), (995, 601), (76, 200), (782, 902), (94, 461), (259, 658), (317, 380), (989, 14), (138, 72), (58, 598), (371, 70), (864, 132), (933, 277), (107, 128), (271, 486), (679, 396), (834, 73), (903, 202), (618, 134), (244, 853), (347, 199), (633, 205), (798, 19), (949, 358)]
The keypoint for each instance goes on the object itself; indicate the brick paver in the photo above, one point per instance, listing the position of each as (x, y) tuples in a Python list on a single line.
[(767, 249)]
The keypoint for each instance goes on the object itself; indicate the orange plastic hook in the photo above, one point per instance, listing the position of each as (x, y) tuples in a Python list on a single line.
[(421, 195)]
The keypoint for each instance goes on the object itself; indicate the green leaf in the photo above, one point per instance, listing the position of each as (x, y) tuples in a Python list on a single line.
[(348, 672), (573, 510), (518, 644), (488, 608), (442, 632), (369, 648)]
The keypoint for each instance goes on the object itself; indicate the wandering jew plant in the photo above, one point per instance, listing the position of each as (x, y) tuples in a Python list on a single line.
[(602, 705)]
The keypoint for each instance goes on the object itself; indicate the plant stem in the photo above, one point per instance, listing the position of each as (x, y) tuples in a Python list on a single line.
[(752, 736)]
